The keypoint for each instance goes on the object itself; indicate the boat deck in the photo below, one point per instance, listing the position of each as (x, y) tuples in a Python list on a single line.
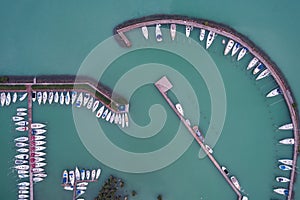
[(161, 87)]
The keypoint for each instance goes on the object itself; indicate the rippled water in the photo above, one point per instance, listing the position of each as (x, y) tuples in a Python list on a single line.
[(52, 38)]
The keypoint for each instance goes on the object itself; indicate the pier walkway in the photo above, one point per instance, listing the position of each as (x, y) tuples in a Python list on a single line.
[(245, 42), (28, 88), (163, 85)]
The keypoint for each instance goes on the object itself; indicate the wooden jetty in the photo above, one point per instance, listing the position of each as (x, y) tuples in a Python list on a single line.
[(237, 37), (28, 88), (163, 85)]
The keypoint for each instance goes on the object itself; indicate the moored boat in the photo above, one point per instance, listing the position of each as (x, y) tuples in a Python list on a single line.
[(39, 164), (188, 30), (258, 68), (21, 139), (38, 137), (23, 175), (22, 128), (252, 63), (198, 133), (126, 119), (23, 192), (112, 118), (235, 182), (24, 184), (23, 196), (82, 174), (77, 174), (88, 174), (39, 97), (8, 99), (287, 141), (86, 98), (282, 179), (22, 156), (79, 193), (69, 188), (3, 98), (90, 103), (282, 191), (285, 167), (21, 144), (99, 112), (173, 31), (39, 148), (22, 167), (123, 121), (45, 97), (145, 32), (228, 47), (98, 173), (79, 100), (288, 126), (36, 159), (23, 97), (95, 106), (235, 48), (21, 114), (65, 177), (50, 97), (108, 116), (244, 198), (93, 174), (38, 153), (263, 74), (210, 38), (21, 123), (62, 98), (37, 179), (158, 33), (82, 184), (202, 34), (23, 150), (23, 171), (209, 149), (37, 125), (225, 170), (21, 109), (41, 175), (104, 114), (20, 162), (38, 131), (73, 96), (17, 118), (274, 92), (37, 170), (242, 53), (67, 99), (56, 97), (286, 161), (179, 109)]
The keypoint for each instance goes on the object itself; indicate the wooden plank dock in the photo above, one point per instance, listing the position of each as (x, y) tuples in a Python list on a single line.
[(162, 85), (28, 88), (218, 29)]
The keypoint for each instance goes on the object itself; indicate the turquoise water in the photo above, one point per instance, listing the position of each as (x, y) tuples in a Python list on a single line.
[(55, 38)]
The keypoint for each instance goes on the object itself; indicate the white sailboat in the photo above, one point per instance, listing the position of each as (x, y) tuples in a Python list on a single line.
[(3, 98), (67, 99), (112, 118), (282, 179), (235, 49), (258, 68), (95, 106), (79, 100), (282, 191), (242, 53), (286, 161), (17, 118), (90, 103), (235, 182), (8, 99), (37, 125), (98, 173), (179, 109), (158, 33), (126, 120), (39, 97), (252, 63), (287, 141), (56, 97), (108, 116), (45, 97), (274, 92), (15, 97), (228, 47), (86, 98), (188, 30), (23, 97), (288, 126), (104, 114), (263, 74), (74, 95), (61, 98), (173, 31), (202, 34), (210, 38), (145, 32), (99, 112), (50, 97)]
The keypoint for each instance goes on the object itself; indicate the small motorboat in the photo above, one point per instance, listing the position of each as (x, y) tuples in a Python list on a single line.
[(116, 118), (40, 164), (145, 32), (258, 68), (228, 47), (17, 118), (81, 187), (23, 191), (73, 96), (100, 112), (79, 100), (45, 97), (37, 170), (38, 143), (39, 97), (210, 38), (20, 162), (120, 119), (287, 141), (202, 34), (37, 179), (23, 171), (285, 167), (90, 103), (3, 98), (21, 144), (38, 131), (123, 121), (179, 109), (263, 74), (93, 174), (23, 175), (23, 97), (41, 175), (38, 137), (77, 174), (158, 33), (38, 153), (82, 174), (286, 161), (37, 125), (86, 98), (95, 105), (104, 114), (65, 177), (50, 97), (173, 31), (23, 150), (252, 63), (23, 184), (71, 177), (69, 188), (188, 30), (21, 139), (288, 126), (274, 92), (126, 120), (61, 98), (23, 196), (67, 99), (39, 148), (21, 123), (21, 109), (22, 156), (8, 99), (98, 173), (112, 118), (88, 174), (235, 182), (235, 48), (36, 159), (15, 97), (242, 53), (82, 184), (56, 97), (282, 179), (209, 149), (225, 170), (282, 191), (108, 116), (21, 114), (79, 193), (22, 167)]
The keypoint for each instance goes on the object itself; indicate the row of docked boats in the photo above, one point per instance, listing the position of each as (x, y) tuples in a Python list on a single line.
[(78, 179), (7, 98), (82, 99), (285, 165)]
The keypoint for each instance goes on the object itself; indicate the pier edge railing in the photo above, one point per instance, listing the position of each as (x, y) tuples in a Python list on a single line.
[(222, 29)]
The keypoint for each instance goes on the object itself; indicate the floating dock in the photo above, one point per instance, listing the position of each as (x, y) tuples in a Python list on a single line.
[(163, 85)]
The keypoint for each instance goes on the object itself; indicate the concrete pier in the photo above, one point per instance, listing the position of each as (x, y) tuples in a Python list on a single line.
[(163, 85)]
